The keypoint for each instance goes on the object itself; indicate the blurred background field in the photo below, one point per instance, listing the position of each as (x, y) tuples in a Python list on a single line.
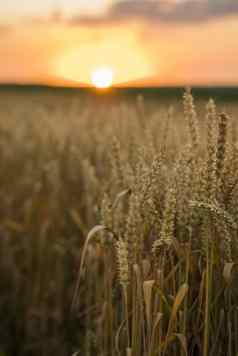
[(223, 94)]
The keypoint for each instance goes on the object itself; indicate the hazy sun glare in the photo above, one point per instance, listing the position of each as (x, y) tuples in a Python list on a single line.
[(119, 49), (102, 77)]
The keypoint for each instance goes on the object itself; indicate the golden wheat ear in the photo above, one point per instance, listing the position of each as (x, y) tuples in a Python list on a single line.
[(211, 122), (191, 118), (221, 143)]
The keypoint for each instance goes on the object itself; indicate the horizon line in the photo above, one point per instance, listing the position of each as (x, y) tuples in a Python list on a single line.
[(113, 87)]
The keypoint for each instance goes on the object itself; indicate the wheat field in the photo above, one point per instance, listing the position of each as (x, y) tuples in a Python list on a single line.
[(118, 226)]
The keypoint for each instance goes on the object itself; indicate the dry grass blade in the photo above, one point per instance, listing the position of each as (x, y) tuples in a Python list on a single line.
[(227, 272), (177, 303), (146, 266), (215, 343), (158, 318), (90, 235), (183, 341), (147, 288), (120, 196), (117, 337)]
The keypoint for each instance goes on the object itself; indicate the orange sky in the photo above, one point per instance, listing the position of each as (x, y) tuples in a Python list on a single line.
[(36, 47)]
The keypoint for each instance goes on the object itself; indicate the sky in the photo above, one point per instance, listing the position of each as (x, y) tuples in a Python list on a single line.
[(143, 42)]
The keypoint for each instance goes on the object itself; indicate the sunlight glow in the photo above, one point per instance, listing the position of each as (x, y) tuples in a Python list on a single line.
[(102, 77), (117, 50)]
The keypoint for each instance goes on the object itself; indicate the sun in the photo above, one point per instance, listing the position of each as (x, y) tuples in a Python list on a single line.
[(102, 78)]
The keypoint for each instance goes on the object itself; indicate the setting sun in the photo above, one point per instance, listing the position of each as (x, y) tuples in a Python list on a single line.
[(102, 78)]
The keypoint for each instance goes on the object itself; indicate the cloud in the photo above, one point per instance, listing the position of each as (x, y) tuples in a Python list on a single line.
[(169, 11), (92, 20), (162, 11), (153, 11)]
